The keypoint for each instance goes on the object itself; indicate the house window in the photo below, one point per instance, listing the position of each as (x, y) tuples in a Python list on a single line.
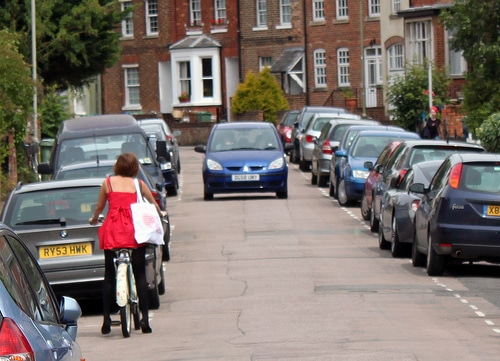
[(285, 12), (418, 39), (341, 9), (261, 13), (127, 24), (151, 17), (132, 87), (395, 58), (318, 10), (396, 6), (343, 67), (207, 77), (374, 8), (320, 68), (220, 12), (185, 77), (195, 12), (457, 65), (265, 62)]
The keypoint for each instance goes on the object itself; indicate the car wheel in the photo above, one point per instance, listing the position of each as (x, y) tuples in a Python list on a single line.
[(154, 298), (435, 262), (382, 242), (331, 189), (161, 286), (304, 165), (178, 167), (282, 194), (374, 223), (336, 190), (342, 195), (314, 178), (172, 190), (417, 258), (166, 240), (365, 211), (208, 196), (398, 249)]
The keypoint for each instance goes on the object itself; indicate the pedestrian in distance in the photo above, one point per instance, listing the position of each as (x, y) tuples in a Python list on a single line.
[(117, 232), (432, 128)]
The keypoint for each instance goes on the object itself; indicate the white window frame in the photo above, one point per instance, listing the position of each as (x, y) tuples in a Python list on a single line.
[(373, 66), (261, 8), (343, 67), (319, 56), (318, 10), (220, 14), (152, 20), (132, 87), (374, 8), (341, 9), (455, 59), (419, 41), (265, 62), (396, 6), (395, 58), (285, 12), (195, 12), (127, 24)]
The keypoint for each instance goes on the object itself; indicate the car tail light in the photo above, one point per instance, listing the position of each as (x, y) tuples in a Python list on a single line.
[(455, 174), (309, 138), (170, 138), (13, 343), (288, 136), (326, 148), (157, 197), (414, 205)]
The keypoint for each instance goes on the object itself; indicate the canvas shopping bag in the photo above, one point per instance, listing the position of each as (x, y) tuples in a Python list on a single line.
[(147, 223)]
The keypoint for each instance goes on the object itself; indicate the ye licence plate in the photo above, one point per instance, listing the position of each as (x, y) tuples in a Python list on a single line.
[(244, 177), (65, 250), (493, 210)]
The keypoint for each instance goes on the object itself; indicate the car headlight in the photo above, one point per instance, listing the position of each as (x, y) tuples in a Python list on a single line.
[(166, 166), (213, 165), (277, 163), (360, 174)]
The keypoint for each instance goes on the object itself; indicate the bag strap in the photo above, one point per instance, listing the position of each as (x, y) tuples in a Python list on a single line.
[(138, 191)]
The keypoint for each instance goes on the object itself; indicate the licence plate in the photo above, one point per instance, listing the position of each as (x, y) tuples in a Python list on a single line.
[(66, 250), (245, 177), (493, 211)]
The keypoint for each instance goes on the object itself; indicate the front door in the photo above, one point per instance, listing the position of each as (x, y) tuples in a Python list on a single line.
[(373, 74)]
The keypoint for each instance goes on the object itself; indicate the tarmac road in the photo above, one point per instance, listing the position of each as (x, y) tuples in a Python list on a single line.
[(257, 278)]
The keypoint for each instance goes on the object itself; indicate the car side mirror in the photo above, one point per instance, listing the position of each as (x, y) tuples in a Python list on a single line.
[(368, 165), (161, 150), (417, 188), (70, 313), (200, 148), (44, 168)]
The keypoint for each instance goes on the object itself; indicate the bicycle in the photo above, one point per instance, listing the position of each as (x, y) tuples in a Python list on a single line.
[(126, 292)]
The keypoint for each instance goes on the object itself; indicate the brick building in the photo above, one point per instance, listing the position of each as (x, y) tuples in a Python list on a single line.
[(317, 49)]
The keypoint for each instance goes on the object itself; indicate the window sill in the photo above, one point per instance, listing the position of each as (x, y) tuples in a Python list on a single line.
[(127, 38), (283, 27), (260, 28), (132, 107)]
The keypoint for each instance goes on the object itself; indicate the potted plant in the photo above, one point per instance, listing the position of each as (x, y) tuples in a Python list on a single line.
[(350, 97), (184, 97)]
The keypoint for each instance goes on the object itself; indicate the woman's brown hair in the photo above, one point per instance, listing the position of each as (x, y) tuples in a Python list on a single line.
[(127, 165)]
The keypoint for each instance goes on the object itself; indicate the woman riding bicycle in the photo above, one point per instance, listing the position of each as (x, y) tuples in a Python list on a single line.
[(117, 231)]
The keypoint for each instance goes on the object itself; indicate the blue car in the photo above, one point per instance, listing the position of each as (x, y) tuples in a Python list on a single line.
[(33, 325), (243, 157), (365, 147), (458, 217)]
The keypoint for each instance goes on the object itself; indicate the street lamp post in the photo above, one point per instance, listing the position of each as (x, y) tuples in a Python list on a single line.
[(362, 49), (33, 62)]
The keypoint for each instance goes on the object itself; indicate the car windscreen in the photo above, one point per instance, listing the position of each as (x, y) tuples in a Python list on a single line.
[(422, 154), (244, 139), (101, 147), (370, 146), (49, 207), (90, 172)]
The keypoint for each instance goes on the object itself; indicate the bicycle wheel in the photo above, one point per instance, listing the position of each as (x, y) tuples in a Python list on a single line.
[(136, 315), (126, 320)]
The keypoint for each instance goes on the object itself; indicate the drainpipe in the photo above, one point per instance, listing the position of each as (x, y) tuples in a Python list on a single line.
[(306, 80), (239, 42)]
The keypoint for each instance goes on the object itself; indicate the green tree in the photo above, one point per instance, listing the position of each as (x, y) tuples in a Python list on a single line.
[(260, 93), (408, 95), (489, 133), (474, 24), (76, 39), (52, 111)]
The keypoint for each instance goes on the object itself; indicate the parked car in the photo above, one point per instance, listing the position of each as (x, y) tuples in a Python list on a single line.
[(373, 176), (458, 216), (326, 143), (338, 156), (244, 157), (408, 153), (306, 113), (33, 324), (100, 137), (312, 130), (104, 169), (158, 129), (52, 218), (285, 126), (366, 147), (397, 214)]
